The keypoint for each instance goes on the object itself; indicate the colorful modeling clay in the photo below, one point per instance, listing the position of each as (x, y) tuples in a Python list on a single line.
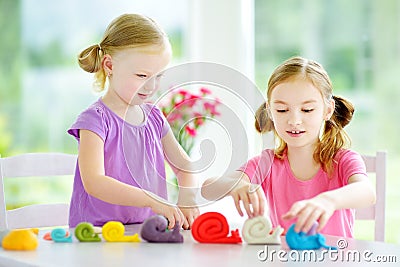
[(47, 236), (257, 230), (84, 232), (3, 233), (212, 227), (154, 230), (21, 239), (114, 232), (302, 241), (59, 235)]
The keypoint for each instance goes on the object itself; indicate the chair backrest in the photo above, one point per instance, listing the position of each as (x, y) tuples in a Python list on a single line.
[(376, 164), (35, 165)]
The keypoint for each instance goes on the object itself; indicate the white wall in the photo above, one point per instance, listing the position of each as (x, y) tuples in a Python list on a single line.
[(223, 32)]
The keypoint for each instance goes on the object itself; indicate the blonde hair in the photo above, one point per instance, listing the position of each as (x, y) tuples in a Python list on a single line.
[(333, 137), (125, 31)]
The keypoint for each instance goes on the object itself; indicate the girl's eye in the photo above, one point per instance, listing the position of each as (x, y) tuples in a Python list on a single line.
[(307, 110), (142, 76), (281, 110)]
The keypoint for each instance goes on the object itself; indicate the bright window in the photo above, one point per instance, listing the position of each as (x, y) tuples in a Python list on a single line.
[(42, 88)]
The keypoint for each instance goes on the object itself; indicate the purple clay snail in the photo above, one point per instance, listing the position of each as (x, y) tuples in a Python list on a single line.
[(154, 230)]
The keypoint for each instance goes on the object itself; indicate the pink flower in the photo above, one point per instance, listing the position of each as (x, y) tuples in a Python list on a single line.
[(215, 113), (199, 120), (183, 92), (191, 131), (178, 104), (191, 101), (212, 108), (173, 116), (209, 106), (205, 91), (189, 109)]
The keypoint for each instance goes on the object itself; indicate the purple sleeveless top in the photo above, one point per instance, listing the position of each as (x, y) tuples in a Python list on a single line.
[(133, 154)]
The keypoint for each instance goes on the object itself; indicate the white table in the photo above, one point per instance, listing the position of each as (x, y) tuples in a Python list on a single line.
[(191, 253)]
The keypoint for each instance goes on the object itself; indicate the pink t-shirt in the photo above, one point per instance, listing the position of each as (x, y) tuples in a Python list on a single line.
[(282, 188)]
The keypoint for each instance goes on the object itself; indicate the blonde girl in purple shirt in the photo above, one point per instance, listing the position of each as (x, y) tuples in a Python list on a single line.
[(310, 175), (124, 141)]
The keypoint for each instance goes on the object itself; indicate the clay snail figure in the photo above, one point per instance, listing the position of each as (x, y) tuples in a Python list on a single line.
[(212, 227), (257, 230), (306, 241), (154, 230)]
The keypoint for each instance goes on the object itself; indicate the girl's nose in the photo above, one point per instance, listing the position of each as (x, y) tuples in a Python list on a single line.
[(150, 84), (294, 118)]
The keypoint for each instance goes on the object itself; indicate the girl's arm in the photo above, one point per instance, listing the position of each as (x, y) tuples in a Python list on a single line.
[(108, 189), (182, 166), (358, 193), (237, 185)]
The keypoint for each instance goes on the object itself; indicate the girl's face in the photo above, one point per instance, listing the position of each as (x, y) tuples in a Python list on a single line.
[(298, 112), (135, 74)]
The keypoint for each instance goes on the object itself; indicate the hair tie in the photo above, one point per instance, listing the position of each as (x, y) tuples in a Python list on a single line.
[(100, 49)]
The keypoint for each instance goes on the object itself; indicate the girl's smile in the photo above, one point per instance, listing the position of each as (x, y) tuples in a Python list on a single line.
[(295, 133), (143, 96)]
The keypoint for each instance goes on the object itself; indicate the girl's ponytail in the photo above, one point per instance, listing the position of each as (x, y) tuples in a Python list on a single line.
[(334, 137), (263, 121), (90, 60), (344, 111)]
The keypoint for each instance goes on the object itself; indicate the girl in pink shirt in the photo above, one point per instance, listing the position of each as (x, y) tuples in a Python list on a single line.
[(310, 175)]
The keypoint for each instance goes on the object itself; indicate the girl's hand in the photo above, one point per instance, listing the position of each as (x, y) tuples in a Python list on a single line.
[(251, 196), (319, 208), (171, 212), (189, 214)]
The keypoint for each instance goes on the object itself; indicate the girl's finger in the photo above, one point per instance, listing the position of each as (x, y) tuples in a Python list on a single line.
[(171, 220), (323, 219), (181, 217), (237, 204), (185, 224), (246, 203), (261, 202), (190, 221), (302, 218), (312, 218), (294, 211), (253, 198)]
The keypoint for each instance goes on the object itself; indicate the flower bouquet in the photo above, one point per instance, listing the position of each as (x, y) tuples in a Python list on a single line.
[(186, 112)]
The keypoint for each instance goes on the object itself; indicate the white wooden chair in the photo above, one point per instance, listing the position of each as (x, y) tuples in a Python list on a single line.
[(376, 164), (35, 165)]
